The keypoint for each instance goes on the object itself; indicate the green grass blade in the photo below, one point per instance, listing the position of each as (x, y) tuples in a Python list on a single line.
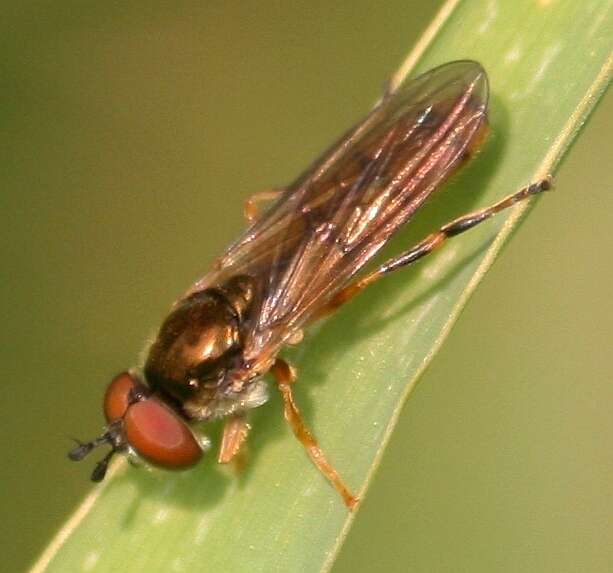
[(548, 64)]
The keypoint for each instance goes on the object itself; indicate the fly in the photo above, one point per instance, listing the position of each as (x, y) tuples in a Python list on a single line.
[(296, 263)]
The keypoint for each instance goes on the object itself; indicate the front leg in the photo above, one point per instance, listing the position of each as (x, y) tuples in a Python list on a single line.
[(285, 376), (235, 431)]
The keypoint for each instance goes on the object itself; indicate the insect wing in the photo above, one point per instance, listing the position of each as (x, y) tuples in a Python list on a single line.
[(328, 224)]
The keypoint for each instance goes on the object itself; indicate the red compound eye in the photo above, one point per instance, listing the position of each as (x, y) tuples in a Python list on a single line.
[(118, 395), (160, 436)]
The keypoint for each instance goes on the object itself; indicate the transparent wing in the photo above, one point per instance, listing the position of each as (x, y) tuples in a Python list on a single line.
[(328, 224)]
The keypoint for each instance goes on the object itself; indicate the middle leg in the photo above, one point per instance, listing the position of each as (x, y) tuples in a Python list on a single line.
[(285, 377)]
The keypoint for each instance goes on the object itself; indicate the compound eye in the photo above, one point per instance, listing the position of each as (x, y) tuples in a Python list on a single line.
[(119, 395), (160, 436)]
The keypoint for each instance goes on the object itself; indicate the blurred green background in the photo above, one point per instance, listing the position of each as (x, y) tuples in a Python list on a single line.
[(131, 134)]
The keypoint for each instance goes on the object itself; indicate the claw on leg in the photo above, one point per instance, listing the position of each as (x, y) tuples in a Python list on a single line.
[(285, 376)]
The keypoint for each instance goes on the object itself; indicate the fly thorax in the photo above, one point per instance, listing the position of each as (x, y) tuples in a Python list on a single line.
[(199, 341)]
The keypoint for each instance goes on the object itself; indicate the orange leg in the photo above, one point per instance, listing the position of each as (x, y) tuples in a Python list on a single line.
[(431, 243), (285, 376), (252, 205), (235, 431)]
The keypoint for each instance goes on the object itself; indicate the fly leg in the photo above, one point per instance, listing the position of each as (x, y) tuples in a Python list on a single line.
[(432, 242), (285, 376), (232, 449), (252, 205)]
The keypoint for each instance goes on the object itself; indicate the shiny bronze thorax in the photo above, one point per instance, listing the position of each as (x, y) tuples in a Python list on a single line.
[(199, 342)]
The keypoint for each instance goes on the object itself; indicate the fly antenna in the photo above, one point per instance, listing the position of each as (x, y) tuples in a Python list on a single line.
[(84, 448), (102, 466)]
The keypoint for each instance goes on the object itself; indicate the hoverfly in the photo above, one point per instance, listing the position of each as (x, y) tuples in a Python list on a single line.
[(296, 263)]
